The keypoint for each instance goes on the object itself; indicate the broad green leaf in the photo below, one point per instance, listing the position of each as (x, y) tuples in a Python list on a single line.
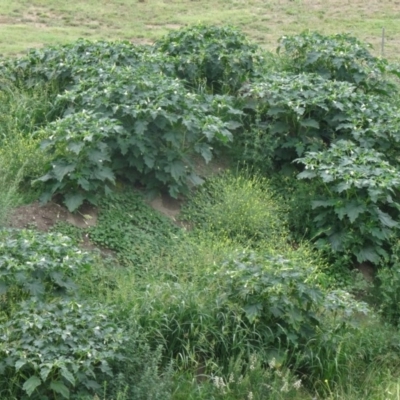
[(368, 254), (309, 123), (44, 373), (60, 388), (45, 197), (62, 169), (279, 127), (35, 288), (75, 147), (352, 210), (195, 179), (104, 173), (31, 384), (98, 156), (140, 127), (276, 111), (234, 125), (46, 143), (84, 183), (149, 161), (336, 241), (19, 364), (342, 186), (312, 57), (205, 151), (73, 201), (322, 203), (306, 174), (386, 219), (252, 311), (68, 375), (44, 178), (177, 169)]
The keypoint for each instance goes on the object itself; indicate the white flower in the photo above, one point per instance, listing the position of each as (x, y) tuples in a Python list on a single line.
[(297, 384)]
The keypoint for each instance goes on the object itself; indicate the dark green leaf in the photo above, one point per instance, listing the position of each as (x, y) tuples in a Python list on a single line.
[(60, 388), (253, 311), (73, 201), (61, 169), (31, 384), (309, 123), (368, 254)]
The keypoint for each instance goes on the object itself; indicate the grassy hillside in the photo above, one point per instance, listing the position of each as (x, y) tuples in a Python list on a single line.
[(274, 272), (25, 24)]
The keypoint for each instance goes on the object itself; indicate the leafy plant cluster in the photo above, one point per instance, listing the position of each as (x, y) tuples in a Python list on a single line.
[(32, 265), (222, 57), (333, 111), (124, 113), (52, 343), (131, 229), (338, 57), (56, 340)]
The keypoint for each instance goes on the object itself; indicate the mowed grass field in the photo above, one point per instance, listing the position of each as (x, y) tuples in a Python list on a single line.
[(25, 24)]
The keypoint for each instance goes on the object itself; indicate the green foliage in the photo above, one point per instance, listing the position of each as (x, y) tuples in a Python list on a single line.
[(81, 166), (64, 65), (338, 57), (144, 125), (359, 212), (9, 196), (38, 265), (157, 125), (57, 349), (351, 362), (222, 57), (388, 293), (236, 323), (275, 298), (242, 208), (247, 377), (252, 303), (143, 376), (132, 229), (290, 114), (23, 110)]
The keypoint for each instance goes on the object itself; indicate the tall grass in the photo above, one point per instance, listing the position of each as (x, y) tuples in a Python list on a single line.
[(9, 194)]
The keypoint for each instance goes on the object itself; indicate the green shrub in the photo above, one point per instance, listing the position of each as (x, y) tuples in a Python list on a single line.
[(388, 293), (57, 349), (253, 303), (65, 65), (34, 264), (288, 115), (359, 212), (339, 57), (221, 57), (141, 127)]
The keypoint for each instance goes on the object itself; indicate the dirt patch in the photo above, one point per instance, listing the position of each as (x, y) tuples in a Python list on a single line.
[(5, 20), (367, 271), (167, 205), (44, 217)]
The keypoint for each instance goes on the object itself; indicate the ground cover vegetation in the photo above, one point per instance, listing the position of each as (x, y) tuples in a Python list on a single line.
[(254, 292)]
